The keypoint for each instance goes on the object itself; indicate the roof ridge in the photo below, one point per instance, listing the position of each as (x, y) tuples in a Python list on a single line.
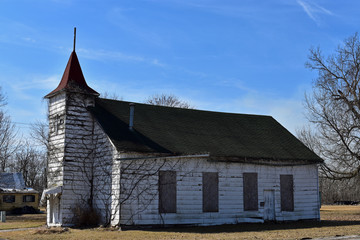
[(186, 109)]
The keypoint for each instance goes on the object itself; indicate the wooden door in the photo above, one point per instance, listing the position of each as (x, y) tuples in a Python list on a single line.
[(269, 205)]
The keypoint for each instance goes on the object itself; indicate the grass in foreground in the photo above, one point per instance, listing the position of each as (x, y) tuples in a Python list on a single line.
[(23, 221), (336, 220)]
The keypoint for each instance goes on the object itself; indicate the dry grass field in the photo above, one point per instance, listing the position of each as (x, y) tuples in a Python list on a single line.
[(23, 221), (336, 221)]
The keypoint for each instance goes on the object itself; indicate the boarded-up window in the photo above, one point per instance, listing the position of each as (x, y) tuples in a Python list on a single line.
[(287, 192), (29, 198), (167, 191), (250, 192), (210, 192), (9, 198)]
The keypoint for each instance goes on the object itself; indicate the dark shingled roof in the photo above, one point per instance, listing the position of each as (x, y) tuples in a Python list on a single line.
[(12, 180), (73, 78), (177, 131)]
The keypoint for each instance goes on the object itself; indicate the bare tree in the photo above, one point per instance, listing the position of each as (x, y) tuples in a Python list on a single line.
[(334, 109), (39, 132), (31, 163), (2, 99), (167, 100), (8, 142), (35, 153), (113, 96), (310, 138)]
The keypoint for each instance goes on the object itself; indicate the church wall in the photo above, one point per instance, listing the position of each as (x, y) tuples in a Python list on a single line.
[(57, 111), (79, 154), (81, 159), (104, 195), (56, 145), (142, 206)]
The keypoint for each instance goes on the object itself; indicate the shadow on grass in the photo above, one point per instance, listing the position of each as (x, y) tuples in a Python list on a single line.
[(257, 227)]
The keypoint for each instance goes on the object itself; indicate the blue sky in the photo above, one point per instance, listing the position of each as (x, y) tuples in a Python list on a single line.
[(231, 56)]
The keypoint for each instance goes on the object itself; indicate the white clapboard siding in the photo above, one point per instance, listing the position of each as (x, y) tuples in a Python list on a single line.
[(56, 141), (189, 193), (83, 159)]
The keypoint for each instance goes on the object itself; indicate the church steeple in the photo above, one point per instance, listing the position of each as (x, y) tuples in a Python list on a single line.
[(73, 79)]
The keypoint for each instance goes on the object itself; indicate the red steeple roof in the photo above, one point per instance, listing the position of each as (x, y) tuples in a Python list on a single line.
[(73, 78)]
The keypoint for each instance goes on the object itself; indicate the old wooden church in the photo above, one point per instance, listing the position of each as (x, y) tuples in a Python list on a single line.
[(138, 164)]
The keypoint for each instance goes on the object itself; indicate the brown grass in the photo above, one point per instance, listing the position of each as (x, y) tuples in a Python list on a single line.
[(23, 221), (336, 220)]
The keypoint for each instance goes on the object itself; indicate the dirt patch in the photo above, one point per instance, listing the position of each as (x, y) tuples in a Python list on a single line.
[(52, 230)]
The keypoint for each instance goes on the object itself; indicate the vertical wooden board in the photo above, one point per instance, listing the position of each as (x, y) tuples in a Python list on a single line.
[(250, 191), (167, 191), (287, 192), (269, 205), (189, 187), (210, 191)]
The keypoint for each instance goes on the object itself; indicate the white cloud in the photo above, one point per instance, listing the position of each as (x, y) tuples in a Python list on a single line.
[(117, 56), (124, 19), (157, 63), (27, 88), (216, 7), (45, 83), (18, 33), (29, 39), (313, 10), (287, 111)]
